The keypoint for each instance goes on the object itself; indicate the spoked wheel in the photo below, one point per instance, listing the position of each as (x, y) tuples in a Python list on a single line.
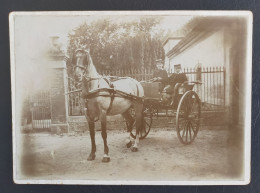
[(146, 124), (188, 117)]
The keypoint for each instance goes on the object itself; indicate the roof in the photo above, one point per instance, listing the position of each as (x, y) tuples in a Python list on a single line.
[(203, 28), (182, 32), (171, 38)]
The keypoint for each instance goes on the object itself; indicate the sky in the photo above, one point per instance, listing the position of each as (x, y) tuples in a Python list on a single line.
[(32, 36), (33, 29)]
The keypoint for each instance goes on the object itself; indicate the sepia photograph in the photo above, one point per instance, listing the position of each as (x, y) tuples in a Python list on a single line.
[(131, 97)]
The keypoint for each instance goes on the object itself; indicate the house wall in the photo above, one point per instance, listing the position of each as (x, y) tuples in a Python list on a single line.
[(167, 47), (209, 52), (237, 59)]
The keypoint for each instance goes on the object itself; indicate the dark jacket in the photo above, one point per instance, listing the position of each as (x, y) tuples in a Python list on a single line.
[(160, 73), (174, 79)]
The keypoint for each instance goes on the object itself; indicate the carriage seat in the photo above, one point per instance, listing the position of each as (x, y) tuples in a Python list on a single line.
[(169, 89), (171, 95)]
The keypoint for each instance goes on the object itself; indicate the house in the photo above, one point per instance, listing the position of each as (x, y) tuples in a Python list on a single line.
[(215, 41), (168, 44)]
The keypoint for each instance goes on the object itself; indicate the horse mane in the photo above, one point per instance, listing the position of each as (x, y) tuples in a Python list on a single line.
[(91, 67)]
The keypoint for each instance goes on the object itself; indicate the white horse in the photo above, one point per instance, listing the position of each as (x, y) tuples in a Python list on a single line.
[(106, 103)]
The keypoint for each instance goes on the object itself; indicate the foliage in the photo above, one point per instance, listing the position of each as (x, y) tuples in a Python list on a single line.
[(116, 45)]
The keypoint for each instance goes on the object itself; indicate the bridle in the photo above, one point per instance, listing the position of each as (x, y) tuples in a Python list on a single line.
[(82, 67), (88, 79)]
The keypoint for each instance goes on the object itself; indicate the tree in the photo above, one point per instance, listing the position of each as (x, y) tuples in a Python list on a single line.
[(118, 45)]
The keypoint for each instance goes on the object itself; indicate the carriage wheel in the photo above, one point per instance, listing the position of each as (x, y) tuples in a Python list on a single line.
[(188, 117), (147, 123)]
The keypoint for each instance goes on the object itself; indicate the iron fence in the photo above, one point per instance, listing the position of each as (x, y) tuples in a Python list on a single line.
[(75, 105), (41, 110), (211, 90)]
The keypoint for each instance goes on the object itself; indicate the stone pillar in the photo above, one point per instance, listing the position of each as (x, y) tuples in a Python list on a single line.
[(58, 88)]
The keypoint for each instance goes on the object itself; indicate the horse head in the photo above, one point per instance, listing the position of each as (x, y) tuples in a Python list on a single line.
[(82, 62)]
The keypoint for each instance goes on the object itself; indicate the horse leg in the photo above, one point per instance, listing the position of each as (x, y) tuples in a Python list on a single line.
[(91, 125), (139, 122), (103, 119), (130, 122), (129, 119)]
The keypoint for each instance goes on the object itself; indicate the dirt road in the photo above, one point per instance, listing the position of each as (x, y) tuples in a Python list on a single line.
[(161, 156)]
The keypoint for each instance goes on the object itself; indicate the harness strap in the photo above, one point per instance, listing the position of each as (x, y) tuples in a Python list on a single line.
[(112, 97), (111, 92), (137, 90), (110, 84)]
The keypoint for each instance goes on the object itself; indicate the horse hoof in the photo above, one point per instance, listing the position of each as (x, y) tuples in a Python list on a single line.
[(106, 159), (91, 157), (129, 144), (134, 149)]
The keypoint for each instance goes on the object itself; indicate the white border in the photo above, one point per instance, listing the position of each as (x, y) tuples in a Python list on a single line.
[(248, 99), (135, 13), (12, 61), (247, 135)]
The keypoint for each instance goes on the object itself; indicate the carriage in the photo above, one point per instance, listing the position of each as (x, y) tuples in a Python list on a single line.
[(108, 96), (184, 106)]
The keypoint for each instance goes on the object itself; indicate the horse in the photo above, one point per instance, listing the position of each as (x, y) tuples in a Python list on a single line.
[(106, 104)]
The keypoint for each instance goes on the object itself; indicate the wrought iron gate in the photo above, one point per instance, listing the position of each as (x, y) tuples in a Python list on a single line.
[(41, 110)]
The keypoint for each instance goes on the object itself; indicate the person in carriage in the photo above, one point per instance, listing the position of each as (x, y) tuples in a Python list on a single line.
[(169, 84), (160, 72)]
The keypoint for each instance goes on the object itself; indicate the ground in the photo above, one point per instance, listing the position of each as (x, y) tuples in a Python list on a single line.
[(161, 156)]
